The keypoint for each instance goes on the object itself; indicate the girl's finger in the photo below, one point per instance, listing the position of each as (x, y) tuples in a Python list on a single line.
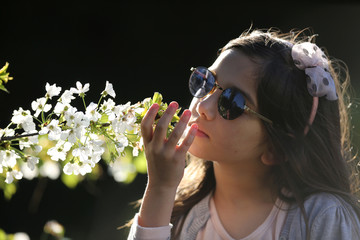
[(189, 138), (164, 121), (147, 123), (179, 129)]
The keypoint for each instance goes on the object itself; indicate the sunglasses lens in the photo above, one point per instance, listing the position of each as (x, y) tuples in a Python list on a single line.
[(231, 104), (201, 82)]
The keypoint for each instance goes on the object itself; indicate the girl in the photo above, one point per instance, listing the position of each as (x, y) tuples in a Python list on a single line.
[(268, 140)]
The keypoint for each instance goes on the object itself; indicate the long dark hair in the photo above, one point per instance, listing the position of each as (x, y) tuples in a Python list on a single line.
[(319, 161)]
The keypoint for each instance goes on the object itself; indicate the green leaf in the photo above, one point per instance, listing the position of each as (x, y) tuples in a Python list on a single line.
[(157, 98), (4, 68), (9, 190), (130, 177), (71, 181), (127, 156), (104, 118), (3, 88), (110, 152), (4, 77), (133, 137), (2, 234), (140, 163)]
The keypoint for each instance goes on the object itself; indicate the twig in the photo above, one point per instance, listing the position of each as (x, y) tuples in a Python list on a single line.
[(18, 136)]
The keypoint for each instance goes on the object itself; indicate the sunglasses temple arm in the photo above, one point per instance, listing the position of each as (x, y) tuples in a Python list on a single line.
[(247, 109)]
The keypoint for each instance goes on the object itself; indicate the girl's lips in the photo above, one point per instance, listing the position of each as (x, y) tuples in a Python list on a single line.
[(201, 134)]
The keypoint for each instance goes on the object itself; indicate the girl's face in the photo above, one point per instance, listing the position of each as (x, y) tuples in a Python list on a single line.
[(221, 140)]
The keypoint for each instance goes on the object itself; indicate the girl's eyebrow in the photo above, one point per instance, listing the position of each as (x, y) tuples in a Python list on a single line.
[(246, 95)]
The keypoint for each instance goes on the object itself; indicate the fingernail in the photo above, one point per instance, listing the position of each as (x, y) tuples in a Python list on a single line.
[(186, 113), (174, 105), (194, 126), (154, 107)]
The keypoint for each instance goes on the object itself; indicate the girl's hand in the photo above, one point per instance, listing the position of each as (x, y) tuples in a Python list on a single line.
[(166, 163), (166, 159)]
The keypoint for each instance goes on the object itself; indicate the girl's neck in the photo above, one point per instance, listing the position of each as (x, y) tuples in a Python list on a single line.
[(243, 185), (243, 196)]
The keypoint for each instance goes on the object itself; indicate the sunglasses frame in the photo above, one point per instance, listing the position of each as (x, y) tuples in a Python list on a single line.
[(217, 86)]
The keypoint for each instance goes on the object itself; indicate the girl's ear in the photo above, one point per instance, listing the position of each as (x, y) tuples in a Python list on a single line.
[(268, 156)]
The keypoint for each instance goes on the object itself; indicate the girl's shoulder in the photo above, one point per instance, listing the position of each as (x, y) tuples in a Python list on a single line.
[(320, 203), (325, 214)]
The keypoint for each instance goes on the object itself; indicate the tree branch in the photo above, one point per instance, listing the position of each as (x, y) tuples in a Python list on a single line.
[(17, 136)]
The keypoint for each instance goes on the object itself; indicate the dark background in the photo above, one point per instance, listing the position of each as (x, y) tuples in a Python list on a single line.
[(140, 48)]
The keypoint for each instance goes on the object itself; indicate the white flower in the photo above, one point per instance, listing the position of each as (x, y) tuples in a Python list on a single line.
[(20, 116), (67, 96), (50, 169), (77, 168), (92, 113), (52, 90), (71, 168), (7, 132), (36, 148), (139, 110), (29, 174), (82, 152), (11, 174), (125, 118), (76, 119), (84, 168), (28, 141), (120, 170), (121, 143), (96, 145), (135, 152), (8, 158), (121, 110), (61, 108), (80, 89), (59, 151), (2, 152), (21, 236), (81, 120), (88, 156), (94, 159), (107, 105), (52, 129), (108, 90), (54, 228), (96, 151), (28, 126), (126, 123), (70, 115), (24, 119), (40, 105), (31, 162), (72, 135)]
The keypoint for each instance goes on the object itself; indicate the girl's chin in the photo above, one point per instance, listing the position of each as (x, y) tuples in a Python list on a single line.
[(196, 152)]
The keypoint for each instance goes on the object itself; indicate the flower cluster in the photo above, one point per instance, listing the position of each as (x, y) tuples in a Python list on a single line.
[(78, 139), (4, 77)]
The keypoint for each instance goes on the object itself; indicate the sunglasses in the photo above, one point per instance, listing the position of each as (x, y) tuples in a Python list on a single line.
[(231, 103)]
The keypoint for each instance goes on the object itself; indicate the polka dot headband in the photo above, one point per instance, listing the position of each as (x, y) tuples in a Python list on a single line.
[(309, 57)]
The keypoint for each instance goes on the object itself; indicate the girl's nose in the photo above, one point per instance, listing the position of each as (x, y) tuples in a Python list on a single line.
[(207, 106)]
